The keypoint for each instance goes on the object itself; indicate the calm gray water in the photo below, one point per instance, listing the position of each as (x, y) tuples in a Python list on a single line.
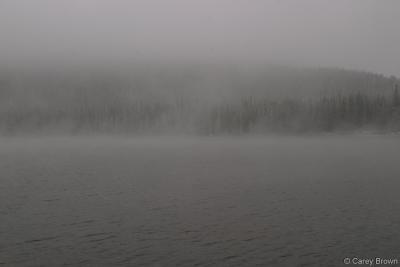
[(304, 201)]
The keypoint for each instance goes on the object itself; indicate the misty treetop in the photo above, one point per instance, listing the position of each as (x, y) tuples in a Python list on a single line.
[(202, 100)]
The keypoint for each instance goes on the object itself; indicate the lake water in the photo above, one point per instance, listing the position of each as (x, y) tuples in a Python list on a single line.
[(273, 201)]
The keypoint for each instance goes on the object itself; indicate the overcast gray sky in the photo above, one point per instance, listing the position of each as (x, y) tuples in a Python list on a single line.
[(356, 34)]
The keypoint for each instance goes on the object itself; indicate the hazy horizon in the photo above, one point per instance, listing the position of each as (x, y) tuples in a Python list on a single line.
[(358, 35)]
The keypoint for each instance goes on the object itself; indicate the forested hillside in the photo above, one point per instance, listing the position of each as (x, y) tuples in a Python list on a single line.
[(197, 99)]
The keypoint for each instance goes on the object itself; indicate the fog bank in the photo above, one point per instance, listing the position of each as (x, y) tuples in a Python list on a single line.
[(351, 34)]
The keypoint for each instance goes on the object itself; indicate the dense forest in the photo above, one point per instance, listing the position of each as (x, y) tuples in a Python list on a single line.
[(202, 100), (327, 114)]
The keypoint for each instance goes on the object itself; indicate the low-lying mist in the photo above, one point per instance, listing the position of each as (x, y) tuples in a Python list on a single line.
[(196, 99)]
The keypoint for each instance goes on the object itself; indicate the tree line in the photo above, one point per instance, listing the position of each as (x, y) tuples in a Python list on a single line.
[(355, 111), (339, 112)]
